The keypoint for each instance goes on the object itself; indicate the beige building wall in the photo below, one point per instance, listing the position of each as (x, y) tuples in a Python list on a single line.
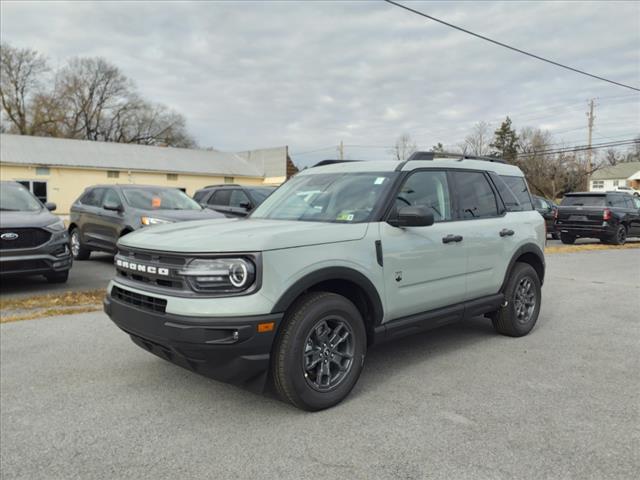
[(65, 184)]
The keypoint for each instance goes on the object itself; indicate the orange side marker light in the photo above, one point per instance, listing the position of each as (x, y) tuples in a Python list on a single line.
[(266, 327)]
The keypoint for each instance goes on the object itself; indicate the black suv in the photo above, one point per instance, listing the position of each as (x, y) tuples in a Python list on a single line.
[(33, 241), (104, 213), (547, 209), (609, 216), (232, 200)]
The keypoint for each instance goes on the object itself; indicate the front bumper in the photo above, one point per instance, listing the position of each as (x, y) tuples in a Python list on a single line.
[(228, 349), (48, 258)]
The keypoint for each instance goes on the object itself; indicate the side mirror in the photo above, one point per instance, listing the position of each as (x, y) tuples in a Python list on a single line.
[(50, 206), (114, 207), (411, 217), (246, 206)]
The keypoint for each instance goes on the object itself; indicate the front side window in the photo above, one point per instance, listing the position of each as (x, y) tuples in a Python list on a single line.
[(111, 197), (327, 197), (475, 196), (159, 199), (17, 199), (93, 197), (238, 198), (220, 198), (427, 189)]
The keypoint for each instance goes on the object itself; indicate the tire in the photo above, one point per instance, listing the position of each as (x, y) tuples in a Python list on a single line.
[(302, 355), (555, 236), (567, 239), (78, 251), (508, 320), (57, 277), (620, 237)]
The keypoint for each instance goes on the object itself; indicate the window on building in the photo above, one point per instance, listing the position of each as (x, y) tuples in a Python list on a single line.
[(597, 184), (39, 189), (475, 196), (228, 179), (113, 174), (172, 176), (42, 171), (616, 183)]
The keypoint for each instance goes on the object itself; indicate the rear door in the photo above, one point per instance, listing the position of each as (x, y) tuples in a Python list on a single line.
[(422, 270)]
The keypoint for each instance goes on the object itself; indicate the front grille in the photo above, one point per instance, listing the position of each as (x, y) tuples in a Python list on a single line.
[(23, 265), (138, 300), (169, 264), (26, 238)]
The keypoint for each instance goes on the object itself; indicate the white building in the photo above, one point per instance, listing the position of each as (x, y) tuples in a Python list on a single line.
[(621, 175)]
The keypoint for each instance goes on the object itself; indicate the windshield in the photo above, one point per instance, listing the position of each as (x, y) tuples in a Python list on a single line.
[(18, 199), (327, 197), (584, 200), (260, 194), (159, 199)]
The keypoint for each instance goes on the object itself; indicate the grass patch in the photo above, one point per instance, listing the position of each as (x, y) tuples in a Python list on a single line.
[(589, 247), (14, 309)]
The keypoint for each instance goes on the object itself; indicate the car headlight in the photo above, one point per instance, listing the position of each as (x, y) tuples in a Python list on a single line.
[(57, 226), (153, 221), (220, 275)]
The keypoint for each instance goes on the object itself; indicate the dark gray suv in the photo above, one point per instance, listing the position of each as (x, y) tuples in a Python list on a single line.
[(33, 241), (104, 213), (232, 200)]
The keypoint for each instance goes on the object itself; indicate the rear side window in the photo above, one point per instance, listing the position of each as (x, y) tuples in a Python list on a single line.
[(220, 198), (616, 201), (518, 187), (93, 197), (475, 196), (629, 201), (584, 201), (427, 189)]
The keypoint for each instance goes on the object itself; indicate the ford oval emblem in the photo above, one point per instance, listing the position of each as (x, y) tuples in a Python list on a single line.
[(9, 236)]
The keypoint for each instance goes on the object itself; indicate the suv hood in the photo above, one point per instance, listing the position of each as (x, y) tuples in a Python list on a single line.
[(26, 219), (240, 235), (182, 215)]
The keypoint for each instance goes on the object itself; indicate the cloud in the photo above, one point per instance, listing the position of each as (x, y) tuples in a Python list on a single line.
[(308, 74)]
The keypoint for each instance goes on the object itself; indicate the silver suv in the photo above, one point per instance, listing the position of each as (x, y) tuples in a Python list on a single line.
[(342, 256)]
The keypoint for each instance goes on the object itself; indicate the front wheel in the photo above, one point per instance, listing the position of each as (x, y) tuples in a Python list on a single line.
[(567, 239), (523, 298), (320, 352), (79, 251)]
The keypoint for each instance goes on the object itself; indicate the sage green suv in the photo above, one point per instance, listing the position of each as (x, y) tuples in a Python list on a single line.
[(342, 256)]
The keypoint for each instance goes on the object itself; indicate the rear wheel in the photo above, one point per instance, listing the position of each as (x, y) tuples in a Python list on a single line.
[(523, 297), (320, 351), (79, 251), (620, 237), (57, 277), (567, 239)]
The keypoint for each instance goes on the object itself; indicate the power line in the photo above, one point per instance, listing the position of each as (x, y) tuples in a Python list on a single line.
[(495, 42), (580, 148)]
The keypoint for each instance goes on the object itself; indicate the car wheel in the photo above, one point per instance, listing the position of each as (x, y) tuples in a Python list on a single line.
[(78, 251), (567, 239), (320, 351), (555, 236), (57, 277), (523, 297), (620, 237)]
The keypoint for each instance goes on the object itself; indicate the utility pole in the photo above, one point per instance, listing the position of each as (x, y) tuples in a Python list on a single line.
[(590, 118), (341, 150)]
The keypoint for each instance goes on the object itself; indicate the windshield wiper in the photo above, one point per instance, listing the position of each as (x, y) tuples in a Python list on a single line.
[(9, 209)]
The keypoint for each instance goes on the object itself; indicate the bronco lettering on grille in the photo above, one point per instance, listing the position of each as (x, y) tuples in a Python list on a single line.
[(140, 267)]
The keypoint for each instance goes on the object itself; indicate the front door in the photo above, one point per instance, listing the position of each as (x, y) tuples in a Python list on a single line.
[(424, 267)]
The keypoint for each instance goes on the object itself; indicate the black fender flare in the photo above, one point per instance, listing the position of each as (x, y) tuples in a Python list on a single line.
[(527, 248), (327, 274)]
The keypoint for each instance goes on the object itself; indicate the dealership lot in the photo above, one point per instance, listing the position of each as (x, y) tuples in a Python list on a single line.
[(79, 400)]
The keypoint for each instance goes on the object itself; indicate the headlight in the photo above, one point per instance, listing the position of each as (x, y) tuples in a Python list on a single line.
[(153, 221), (56, 226), (220, 275)]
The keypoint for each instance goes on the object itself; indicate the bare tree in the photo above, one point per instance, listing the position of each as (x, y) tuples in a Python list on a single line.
[(403, 147), (477, 143), (21, 76)]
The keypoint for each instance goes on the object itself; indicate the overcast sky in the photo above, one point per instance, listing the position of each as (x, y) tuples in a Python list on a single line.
[(308, 74)]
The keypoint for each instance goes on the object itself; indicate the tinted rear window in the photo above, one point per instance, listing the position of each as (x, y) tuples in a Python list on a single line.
[(518, 187), (584, 201)]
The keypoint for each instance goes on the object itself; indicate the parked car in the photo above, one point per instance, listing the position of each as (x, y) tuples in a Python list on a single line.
[(608, 216), (104, 213), (33, 241), (301, 289), (232, 200), (547, 209), (628, 190)]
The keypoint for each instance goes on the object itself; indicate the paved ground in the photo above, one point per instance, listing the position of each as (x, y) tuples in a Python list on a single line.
[(86, 275), (80, 401)]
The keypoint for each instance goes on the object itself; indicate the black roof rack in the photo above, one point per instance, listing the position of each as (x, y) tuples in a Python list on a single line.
[(222, 185), (459, 156), (331, 162)]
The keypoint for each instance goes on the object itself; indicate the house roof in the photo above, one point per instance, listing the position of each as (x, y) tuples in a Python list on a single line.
[(621, 171), (27, 150)]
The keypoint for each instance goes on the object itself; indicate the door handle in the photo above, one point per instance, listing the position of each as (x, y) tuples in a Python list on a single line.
[(505, 232), (452, 238)]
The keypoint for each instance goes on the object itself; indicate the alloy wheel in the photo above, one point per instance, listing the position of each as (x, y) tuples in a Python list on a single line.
[(525, 299), (75, 244)]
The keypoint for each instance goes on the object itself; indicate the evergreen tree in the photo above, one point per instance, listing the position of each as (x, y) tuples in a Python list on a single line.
[(505, 142)]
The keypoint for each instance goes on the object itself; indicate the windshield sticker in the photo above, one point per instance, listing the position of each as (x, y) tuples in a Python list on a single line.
[(379, 181), (345, 217), (156, 202)]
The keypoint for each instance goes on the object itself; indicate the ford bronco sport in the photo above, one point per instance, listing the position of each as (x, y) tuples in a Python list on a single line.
[(342, 256)]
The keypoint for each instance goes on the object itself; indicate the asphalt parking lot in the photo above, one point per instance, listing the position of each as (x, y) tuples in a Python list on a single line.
[(80, 400)]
